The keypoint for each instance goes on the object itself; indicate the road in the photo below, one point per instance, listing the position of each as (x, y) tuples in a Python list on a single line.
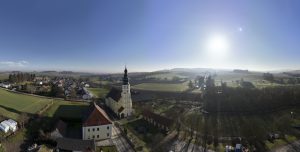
[(119, 141)]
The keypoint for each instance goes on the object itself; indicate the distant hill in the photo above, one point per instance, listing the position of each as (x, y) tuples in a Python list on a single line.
[(240, 71), (193, 70)]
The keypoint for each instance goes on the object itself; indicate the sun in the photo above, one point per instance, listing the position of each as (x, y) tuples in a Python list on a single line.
[(218, 45)]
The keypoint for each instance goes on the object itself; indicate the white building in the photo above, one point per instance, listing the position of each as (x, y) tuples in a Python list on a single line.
[(118, 101), (4, 127), (3, 85), (97, 124), (11, 124)]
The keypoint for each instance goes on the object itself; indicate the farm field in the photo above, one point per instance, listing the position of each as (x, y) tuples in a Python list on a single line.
[(180, 87), (98, 81), (164, 76), (12, 104), (231, 76), (98, 92), (3, 76)]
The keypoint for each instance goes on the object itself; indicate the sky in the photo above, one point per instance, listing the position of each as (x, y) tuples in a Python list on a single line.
[(104, 36)]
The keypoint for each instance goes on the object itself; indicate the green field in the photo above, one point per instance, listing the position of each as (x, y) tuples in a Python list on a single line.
[(67, 109), (12, 104), (98, 92), (3, 76), (168, 76), (180, 87), (98, 81)]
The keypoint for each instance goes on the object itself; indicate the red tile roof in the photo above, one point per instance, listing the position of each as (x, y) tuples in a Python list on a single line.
[(96, 117)]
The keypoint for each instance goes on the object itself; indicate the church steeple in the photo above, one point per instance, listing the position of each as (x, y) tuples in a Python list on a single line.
[(125, 78)]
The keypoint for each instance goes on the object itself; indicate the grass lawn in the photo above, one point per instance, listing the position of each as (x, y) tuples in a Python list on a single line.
[(180, 87), (66, 109), (4, 76), (12, 104), (98, 81), (280, 142), (98, 92), (168, 76)]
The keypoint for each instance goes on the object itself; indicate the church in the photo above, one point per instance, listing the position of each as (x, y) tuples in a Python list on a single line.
[(119, 100)]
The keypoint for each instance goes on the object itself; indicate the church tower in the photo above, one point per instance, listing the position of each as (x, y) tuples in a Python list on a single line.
[(126, 95)]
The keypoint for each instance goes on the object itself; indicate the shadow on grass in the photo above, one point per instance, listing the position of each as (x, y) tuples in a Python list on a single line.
[(70, 112), (10, 109), (39, 127)]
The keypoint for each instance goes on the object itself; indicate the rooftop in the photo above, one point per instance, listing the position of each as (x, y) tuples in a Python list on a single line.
[(75, 144), (114, 93), (96, 116)]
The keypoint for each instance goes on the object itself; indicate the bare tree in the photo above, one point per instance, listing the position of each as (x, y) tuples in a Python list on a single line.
[(23, 119)]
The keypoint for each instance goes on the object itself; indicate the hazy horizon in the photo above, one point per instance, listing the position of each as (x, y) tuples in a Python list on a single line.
[(120, 70), (103, 36)]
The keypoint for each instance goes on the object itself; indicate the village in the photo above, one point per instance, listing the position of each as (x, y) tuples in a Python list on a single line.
[(126, 119), (98, 129)]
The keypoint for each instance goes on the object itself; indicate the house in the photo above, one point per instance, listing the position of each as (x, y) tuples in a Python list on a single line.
[(119, 101), (59, 131), (75, 145), (96, 125), (87, 95), (4, 127), (5, 85), (157, 120)]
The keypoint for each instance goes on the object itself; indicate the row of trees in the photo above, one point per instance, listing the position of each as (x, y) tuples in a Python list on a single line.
[(21, 77), (246, 100), (268, 76)]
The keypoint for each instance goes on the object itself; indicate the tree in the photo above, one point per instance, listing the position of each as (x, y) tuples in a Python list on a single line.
[(176, 78), (23, 119), (73, 93), (268, 76), (200, 80), (57, 91), (191, 86)]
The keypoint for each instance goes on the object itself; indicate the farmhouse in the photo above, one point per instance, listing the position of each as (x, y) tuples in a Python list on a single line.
[(157, 120), (96, 125), (118, 101)]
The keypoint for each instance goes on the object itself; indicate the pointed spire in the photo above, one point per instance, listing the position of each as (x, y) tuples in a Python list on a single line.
[(125, 78)]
